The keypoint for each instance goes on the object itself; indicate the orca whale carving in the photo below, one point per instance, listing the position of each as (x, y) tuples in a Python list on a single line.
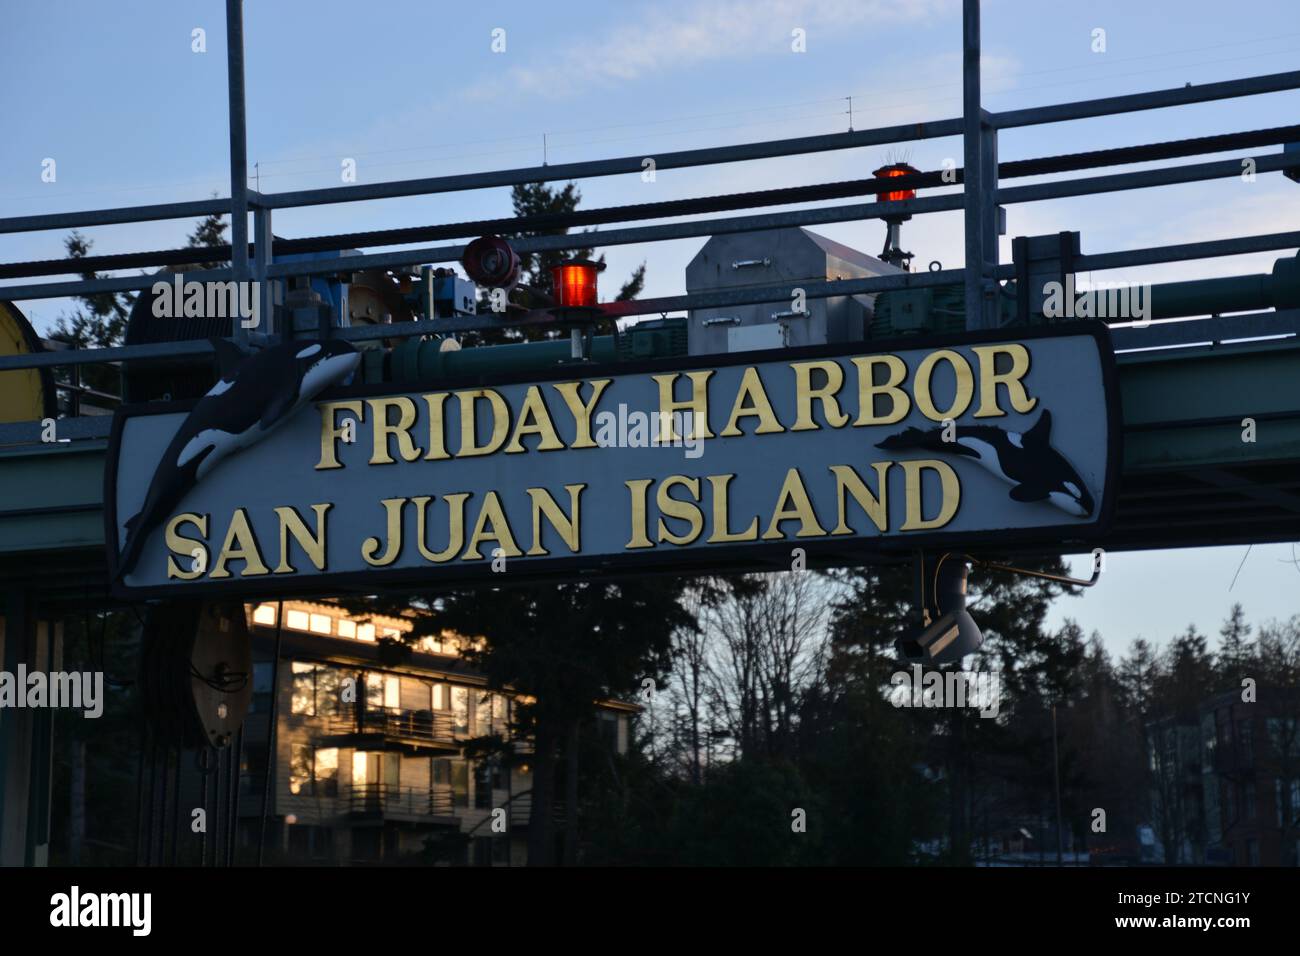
[(254, 395), (1027, 461)]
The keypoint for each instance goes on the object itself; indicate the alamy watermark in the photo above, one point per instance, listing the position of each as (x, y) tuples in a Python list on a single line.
[(648, 430), (918, 688), (1101, 300), (78, 909), (219, 300), (63, 690)]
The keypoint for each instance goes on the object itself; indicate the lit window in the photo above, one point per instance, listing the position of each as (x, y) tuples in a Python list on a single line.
[(359, 769), (304, 690), (347, 628), (439, 696), (460, 708), (327, 772), (383, 690), (365, 632), (300, 761), (298, 620), (320, 624), (392, 632), (264, 614)]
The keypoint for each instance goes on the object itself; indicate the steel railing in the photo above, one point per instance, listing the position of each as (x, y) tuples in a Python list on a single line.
[(381, 799), (422, 725), (979, 195)]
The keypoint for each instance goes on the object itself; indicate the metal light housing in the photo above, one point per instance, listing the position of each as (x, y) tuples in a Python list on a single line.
[(490, 261), (893, 171), (574, 283), (953, 633)]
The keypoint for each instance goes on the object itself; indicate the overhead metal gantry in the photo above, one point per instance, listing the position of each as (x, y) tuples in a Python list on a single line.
[(1187, 388), (1188, 478)]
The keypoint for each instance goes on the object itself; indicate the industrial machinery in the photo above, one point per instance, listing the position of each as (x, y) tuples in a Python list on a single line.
[(778, 257)]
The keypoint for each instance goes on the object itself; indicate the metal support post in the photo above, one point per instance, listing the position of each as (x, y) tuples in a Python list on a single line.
[(238, 153), (974, 162)]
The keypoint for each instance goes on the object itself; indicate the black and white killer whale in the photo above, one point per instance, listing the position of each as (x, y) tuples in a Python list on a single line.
[(1027, 461), (254, 395)]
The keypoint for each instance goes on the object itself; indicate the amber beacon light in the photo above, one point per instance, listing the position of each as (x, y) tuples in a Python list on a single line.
[(893, 252), (574, 283), (893, 171)]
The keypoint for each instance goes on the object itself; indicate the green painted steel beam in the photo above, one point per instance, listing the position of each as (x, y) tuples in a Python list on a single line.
[(1185, 408), (1182, 409)]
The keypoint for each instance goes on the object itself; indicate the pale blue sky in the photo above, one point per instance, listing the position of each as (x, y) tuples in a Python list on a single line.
[(115, 95)]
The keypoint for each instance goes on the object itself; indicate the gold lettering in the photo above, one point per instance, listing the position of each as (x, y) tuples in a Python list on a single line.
[(951, 494), (383, 428), (697, 405), (684, 510), (793, 491), (847, 481), (469, 446), (868, 390), (312, 545), (965, 385), (570, 392), (805, 394), (330, 432), (491, 513), (455, 526), (991, 378), (186, 547), (393, 522), (240, 544), (637, 488), (565, 525), (534, 419), (752, 401), (721, 532), (437, 440)]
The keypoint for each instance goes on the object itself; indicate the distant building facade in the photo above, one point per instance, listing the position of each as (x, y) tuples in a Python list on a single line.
[(1226, 781), (370, 763)]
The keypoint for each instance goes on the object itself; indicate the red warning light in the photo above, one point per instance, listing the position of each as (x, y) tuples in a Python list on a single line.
[(892, 171), (575, 283)]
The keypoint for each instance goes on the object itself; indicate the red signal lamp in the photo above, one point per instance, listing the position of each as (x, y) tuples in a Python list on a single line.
[(893, 171), (574, 283), (893, 252)]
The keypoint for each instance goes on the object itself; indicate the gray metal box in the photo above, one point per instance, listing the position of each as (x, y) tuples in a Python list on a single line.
[(778, 257)]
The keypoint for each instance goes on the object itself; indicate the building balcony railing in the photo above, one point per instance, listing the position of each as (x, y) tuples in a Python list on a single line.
[(424, 726), (386, 800)]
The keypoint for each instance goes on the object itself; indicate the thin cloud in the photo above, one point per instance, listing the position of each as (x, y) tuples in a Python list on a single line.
[(685, 35)]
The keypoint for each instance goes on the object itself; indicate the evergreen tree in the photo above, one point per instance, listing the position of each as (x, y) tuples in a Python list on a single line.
[(99, 322), (540, 199), (1236, 650)]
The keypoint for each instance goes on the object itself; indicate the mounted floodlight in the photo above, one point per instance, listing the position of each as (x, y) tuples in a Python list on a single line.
[(950, 633), (574, 283), (954, 634), (490, 261), (893, 252), (946, 641)]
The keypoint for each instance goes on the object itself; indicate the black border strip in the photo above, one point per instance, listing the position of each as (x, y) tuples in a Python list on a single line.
[(738, 558)]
